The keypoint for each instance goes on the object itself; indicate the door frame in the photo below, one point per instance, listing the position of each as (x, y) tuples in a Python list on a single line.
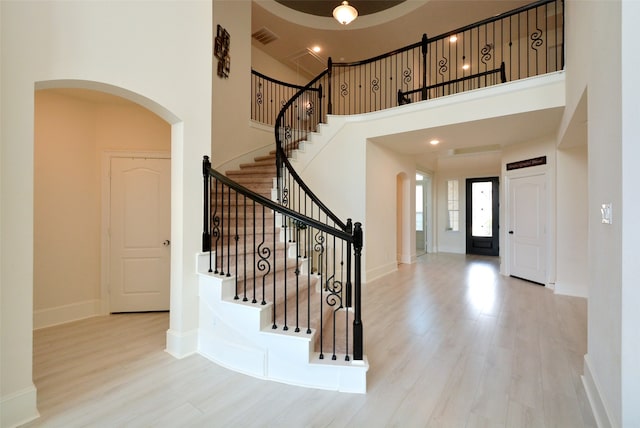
[(105, 239), (427, 209), (505, 210), (495, 215)]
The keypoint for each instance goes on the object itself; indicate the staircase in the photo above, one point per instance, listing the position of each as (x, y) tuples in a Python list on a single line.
[(265, 315)]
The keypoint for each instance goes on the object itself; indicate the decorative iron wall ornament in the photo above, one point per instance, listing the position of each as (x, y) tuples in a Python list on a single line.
[(221, 51)]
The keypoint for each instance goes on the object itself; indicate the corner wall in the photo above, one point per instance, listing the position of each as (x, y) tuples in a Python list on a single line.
[(160, 57), (609, 28)]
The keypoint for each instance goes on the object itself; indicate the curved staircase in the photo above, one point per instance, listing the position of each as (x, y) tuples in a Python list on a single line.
[(264, 318)]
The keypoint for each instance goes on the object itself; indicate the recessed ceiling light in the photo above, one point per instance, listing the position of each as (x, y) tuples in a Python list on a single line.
[(316, 49), (434, 142), (453, 39), (465, 67)]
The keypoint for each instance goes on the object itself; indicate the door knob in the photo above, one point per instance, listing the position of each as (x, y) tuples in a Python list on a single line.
[(166, 243)]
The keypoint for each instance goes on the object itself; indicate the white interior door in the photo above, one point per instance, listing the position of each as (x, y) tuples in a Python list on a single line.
[(528, 226), (140, 229)]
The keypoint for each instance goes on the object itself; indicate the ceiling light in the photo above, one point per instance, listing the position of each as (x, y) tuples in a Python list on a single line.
[(453, 39), (434, 142), (316, 49), (465, 67), (344, 13)]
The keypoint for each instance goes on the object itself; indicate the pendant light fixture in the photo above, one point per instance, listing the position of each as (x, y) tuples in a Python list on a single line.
[(345, 13)]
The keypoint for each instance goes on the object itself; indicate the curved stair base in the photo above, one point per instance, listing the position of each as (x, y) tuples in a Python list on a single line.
[(238, 336)]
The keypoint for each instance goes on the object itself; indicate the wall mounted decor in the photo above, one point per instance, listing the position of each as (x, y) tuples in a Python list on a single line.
[(221, 51)]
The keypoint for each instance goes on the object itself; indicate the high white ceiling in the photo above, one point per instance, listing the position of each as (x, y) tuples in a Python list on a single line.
[(369, 35)]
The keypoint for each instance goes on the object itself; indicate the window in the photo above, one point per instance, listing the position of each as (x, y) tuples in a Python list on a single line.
[(453, 205), (482, 209)]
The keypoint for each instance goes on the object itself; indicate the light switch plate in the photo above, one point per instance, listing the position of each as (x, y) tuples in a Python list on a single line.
[(605, 210)]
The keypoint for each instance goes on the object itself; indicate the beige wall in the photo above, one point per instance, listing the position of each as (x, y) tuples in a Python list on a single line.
[(70, 137), (460, 168), (268, 66), (231, 108)]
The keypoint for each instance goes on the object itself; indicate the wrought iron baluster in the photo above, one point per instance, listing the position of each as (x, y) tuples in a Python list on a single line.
[(236, 239), (215, 229), (246, 256), (229, 232)]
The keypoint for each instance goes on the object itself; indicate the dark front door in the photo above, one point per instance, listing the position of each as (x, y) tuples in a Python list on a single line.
[(482, 216)]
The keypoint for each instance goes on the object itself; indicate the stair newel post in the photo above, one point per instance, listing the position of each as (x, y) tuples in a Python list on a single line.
[(425, 43), (348, 285), (357, 317), (330, 72), (206, 235)]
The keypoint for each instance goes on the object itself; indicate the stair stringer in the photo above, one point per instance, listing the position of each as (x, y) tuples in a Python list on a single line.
[(238, 336)]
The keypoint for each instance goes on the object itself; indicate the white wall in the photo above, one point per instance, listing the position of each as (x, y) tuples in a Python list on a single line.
[(156, 53), (572, 235), (630, 335), (608, 28), (70, 136)]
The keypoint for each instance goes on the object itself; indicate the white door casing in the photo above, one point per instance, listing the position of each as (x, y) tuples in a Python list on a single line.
[(139, 234), (527, 231)]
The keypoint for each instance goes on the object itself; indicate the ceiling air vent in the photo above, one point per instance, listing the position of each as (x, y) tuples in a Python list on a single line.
[(265, 36)]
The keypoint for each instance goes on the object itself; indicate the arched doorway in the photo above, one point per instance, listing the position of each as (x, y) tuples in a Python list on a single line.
[(75, 128)]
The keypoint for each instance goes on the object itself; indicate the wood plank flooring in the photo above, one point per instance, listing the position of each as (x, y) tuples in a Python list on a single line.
[(450, 343)]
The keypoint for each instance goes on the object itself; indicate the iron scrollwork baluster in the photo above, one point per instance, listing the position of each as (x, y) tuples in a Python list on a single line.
[(375, 84), (443, 66), (259, 96), (344, 89), (318, 247), (334, 300), (407, 76), (486, 53), (536, 39)]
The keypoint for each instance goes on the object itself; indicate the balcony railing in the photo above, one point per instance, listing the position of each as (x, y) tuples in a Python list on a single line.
[(529, 41)]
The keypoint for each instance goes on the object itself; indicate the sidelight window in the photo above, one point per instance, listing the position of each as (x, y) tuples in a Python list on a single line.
[(453, 206)]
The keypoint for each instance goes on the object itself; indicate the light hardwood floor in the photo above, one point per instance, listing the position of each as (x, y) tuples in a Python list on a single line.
[(450, 343)]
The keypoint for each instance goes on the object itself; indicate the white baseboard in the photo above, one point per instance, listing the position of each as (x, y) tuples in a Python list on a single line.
[(597, 402), (180, 345), (406, 258), (18, 408), (571, 289), (66, 313), (379, 272)]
